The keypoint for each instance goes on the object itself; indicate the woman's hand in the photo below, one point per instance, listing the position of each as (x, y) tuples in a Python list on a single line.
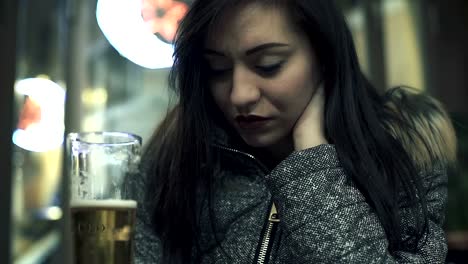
[(309, 129)]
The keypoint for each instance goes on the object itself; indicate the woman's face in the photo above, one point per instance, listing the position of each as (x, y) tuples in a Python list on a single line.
[(263, 73)]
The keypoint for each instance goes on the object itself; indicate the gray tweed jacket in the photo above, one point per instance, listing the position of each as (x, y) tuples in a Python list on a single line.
[(323, 216)]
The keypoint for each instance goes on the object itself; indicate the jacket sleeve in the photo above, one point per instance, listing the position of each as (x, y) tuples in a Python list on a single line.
[(325, 219), (147, 244)]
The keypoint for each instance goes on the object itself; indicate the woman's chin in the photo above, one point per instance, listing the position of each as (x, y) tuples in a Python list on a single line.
[(257, 142)]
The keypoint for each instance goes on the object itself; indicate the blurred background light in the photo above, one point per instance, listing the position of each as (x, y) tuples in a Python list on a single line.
[(122, 23), (41, 122), (52, 213), (94, 97)]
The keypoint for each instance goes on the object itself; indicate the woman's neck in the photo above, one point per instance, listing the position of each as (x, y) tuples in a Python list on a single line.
[(272, 155)]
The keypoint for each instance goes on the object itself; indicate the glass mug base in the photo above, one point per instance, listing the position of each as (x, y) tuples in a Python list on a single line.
[(103, 231)]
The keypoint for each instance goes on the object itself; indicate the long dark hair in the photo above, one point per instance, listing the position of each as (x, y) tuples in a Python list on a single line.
[(180, 151)]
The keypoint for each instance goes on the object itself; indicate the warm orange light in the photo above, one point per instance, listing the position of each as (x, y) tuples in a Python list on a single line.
[(163, 17), (121, 22), (40, 126), (30, 114)]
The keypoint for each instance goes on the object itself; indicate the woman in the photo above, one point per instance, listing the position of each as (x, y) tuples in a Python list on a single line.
[(276, 152)]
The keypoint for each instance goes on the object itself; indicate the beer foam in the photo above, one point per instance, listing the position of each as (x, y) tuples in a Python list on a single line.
[(104, 203)]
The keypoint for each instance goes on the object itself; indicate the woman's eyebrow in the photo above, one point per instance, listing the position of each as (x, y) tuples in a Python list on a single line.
[(264, 47), (250, 51)]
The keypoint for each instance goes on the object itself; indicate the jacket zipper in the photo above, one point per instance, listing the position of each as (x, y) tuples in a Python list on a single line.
[(265, 244), (263, 167)]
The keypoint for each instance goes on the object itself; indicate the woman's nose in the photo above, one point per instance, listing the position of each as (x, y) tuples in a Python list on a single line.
[(245, 92)]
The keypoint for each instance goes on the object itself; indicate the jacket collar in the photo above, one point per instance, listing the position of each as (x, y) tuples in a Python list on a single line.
[(219, 136)]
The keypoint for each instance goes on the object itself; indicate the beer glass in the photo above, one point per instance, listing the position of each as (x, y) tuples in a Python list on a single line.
[(103, 222)]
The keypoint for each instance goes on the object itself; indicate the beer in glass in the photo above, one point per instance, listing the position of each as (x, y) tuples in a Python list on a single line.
[(103, 222)]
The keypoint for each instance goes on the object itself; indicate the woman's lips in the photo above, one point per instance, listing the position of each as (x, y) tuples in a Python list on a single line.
[(251, 122)]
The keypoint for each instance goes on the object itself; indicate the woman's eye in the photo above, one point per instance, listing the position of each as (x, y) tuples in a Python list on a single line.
[(269, 70)]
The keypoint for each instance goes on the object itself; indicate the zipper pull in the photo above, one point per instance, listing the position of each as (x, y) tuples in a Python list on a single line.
[(274, 218)]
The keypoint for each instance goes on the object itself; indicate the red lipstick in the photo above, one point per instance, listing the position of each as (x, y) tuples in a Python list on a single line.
[(251, 122)]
